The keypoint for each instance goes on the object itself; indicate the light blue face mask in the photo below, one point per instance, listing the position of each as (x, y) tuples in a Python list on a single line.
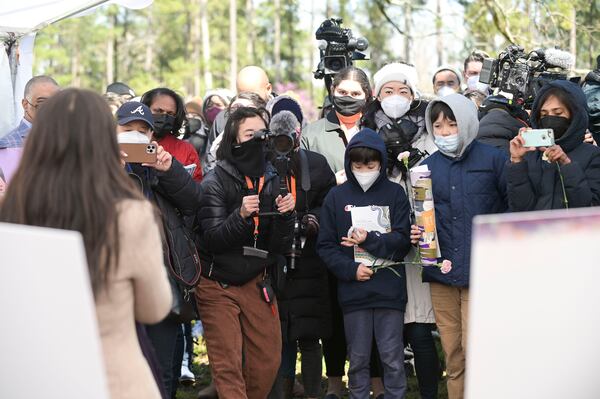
[(447, 144)]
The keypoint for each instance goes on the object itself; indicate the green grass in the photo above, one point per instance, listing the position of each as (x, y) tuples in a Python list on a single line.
[(202, 372)]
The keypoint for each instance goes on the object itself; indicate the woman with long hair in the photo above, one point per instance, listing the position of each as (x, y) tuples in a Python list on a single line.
[(71, 178)]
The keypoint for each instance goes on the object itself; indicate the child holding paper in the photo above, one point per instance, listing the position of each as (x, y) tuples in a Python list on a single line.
[(468, 179), (369, 213)]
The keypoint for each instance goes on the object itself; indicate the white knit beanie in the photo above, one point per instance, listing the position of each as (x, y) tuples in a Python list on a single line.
[(396, 72), (447, 68)]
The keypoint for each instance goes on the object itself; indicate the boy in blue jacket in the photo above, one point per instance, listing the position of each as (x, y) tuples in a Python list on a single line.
[(468, 179), (372, 303)]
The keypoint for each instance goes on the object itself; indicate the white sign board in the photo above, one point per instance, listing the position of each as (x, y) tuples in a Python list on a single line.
[(534, 317), (49, 343)]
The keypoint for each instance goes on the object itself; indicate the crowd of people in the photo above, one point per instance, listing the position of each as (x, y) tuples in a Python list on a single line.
[(225, 234)]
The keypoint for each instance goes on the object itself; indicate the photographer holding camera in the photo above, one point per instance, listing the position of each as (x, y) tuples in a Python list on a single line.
[(399, 120), (304, 306), (237, 245), (564, 175)]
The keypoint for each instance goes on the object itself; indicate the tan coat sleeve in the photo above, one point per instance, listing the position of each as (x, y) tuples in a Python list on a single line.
[(140, 232)]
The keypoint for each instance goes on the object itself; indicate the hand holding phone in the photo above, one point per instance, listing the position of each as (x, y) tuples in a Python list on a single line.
[(538, 138), (139, 152)]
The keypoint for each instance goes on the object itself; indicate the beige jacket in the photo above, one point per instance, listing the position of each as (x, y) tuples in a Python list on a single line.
[(137, 290)]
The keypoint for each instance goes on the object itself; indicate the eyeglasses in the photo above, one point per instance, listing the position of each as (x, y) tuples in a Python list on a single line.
[(35, 106)]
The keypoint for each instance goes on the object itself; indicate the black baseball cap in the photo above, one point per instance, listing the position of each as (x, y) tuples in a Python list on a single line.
[(120, 88), (134, 111)]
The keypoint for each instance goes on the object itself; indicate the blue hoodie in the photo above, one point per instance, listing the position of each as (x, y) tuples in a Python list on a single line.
[(385, 289)]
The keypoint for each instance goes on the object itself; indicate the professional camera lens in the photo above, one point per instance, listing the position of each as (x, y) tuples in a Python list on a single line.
[(283, 144)]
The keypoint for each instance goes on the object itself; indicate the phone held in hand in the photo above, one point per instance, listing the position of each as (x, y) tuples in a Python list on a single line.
[(139, 152), (538, 138)]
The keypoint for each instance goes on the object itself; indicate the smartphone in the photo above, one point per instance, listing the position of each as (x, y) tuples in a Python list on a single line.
[(538, 137), (139, 152)]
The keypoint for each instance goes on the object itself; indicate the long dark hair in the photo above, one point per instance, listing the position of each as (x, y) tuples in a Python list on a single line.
[(232, 128), (149, 97), (71, 177)]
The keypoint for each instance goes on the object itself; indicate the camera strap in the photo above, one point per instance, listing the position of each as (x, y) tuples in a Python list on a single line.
[(250, 184), (291, 184)]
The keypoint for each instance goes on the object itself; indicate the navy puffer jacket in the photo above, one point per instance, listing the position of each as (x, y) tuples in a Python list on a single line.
[(534, 184), (465, 185)]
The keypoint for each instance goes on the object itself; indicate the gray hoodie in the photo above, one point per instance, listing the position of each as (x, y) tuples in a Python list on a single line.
[(465, 112)]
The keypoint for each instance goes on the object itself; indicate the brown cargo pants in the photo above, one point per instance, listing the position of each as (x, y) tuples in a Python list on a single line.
[(243, 338)]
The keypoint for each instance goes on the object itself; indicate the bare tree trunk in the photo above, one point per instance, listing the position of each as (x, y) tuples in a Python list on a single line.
[(196, 38), (208, 83), (115, 50), (328, 9), (277, 41), (252, 39), (573, 36), (110, 50), (233, 43), (291, 68), (407, 30), (438, 32), (149, 61)]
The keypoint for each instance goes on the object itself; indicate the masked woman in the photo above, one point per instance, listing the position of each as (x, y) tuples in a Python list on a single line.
[(398, 116), (237, 244), (565, 175), (168, 112)]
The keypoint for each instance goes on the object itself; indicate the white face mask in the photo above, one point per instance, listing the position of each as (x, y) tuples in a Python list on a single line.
[(473, 83), (445, 91), (132, 137), (366, 179), (395, 106)]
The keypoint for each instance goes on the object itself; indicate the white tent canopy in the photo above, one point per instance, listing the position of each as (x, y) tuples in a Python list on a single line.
[(22, 17), (19, 22)]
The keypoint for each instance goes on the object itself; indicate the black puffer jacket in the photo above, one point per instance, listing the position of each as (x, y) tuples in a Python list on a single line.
[(534, 184), (221, 227), (591, 88), (176, 196), (304, 307), (498, 127)]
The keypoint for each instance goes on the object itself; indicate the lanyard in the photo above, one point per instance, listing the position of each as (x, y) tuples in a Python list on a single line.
[(250, 184), (291, 185)]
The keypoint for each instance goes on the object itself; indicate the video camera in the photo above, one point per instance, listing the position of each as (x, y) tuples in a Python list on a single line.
[(280, 140), (338, 49), (522, 74)]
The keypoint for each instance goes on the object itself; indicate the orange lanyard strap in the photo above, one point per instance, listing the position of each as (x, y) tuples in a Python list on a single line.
[(261, 183), (292, 186)]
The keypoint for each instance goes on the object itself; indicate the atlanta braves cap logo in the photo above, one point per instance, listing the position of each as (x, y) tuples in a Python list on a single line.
[(138, 110)]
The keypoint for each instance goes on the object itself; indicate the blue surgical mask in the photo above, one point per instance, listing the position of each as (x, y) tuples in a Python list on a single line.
[(447, 144)]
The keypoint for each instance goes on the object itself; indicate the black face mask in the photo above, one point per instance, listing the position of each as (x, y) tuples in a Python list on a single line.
[(249, 158), (163, 125), (347, 105), (194, 124), (559, 124)]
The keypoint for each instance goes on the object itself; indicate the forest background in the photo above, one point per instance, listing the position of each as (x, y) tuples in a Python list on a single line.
[(196, 45)]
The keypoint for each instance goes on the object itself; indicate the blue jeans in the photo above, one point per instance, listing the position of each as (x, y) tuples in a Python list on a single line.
[(386, 326)]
